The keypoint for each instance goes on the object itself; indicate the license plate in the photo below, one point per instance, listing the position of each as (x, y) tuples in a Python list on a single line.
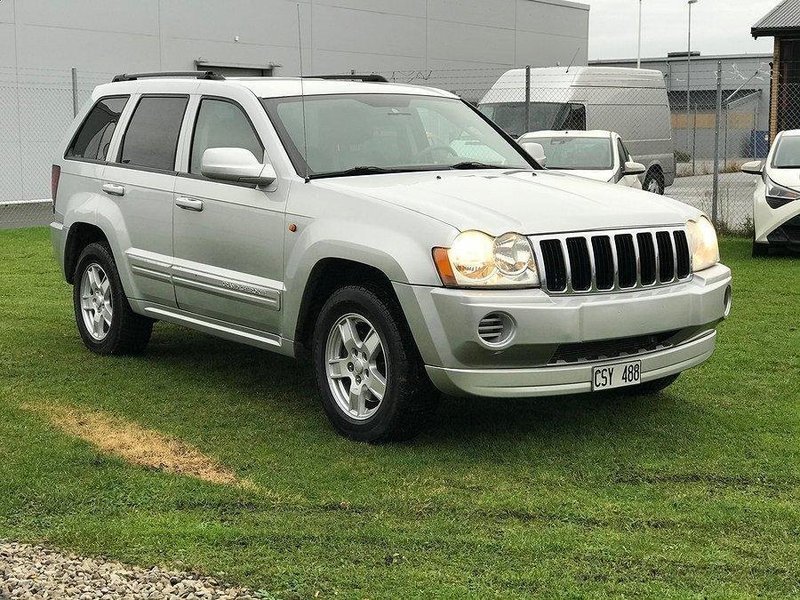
[(618, 375)]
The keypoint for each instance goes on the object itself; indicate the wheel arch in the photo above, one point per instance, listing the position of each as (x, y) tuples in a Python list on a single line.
[(80, 235)]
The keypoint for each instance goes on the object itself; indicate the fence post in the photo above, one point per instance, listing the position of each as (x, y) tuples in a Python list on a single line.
[(74, 92), (715, 189), (527, 98), (694, 140)]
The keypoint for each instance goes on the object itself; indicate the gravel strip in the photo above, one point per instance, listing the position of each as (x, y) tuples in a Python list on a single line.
[(28, 571)]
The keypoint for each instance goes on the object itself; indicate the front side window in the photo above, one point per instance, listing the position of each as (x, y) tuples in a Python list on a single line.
[(151, 139), (387, 132), (555, 116), (577, 153), (623, 153), (222, 124), (94, 136)]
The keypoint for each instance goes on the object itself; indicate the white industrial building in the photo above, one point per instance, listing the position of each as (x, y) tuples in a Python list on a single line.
[(42, 40)]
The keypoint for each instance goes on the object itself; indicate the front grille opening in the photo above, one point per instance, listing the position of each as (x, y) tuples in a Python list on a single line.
[(603, 262), (626, 260), (614, 348), (682, 253), (647, 258), (579, 264), (666, 258), (554, 266)]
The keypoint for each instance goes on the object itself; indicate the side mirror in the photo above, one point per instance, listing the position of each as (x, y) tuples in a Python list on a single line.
[(236, 164), (633, 168), (754, 167), (535, 150)]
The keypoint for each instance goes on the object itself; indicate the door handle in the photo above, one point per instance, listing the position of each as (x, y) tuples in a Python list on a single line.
[(114, 189), (189, 203)]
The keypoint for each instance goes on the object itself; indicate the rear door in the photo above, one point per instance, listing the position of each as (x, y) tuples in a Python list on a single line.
[(228, 237), (141, 179)]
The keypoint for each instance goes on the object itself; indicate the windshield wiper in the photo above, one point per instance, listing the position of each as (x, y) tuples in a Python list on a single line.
[(361, 170), (474, 164)]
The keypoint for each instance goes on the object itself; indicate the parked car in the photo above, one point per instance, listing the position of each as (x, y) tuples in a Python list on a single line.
[(598, 155), (632, 102), (776, 200), (339, 221)]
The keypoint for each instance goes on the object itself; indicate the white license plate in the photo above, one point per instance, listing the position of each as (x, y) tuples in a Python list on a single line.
[(618, 375)]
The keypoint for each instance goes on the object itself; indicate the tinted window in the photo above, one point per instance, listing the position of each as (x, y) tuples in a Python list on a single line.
[(222, 124), (94, 136), (623, 154), (152, 135), (510, 116)]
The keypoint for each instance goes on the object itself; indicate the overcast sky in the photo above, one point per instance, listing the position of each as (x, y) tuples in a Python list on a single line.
[(718, 27)]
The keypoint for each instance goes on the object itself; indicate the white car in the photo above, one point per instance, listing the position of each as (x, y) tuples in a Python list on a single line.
[(598, 155), (776, 201)]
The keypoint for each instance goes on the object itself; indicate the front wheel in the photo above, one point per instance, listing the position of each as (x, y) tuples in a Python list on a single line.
[(371, 379), (652, 387), (654, 182)]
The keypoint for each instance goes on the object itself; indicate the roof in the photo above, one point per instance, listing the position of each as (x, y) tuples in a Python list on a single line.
[(681, 59), (272, 87), (592, 133), (784, 18)]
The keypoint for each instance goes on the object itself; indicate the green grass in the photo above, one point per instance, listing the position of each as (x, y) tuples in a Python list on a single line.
[(693, 493)]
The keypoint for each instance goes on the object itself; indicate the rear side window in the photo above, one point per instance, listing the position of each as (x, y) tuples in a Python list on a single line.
[(152, 135), (94, 136), (222, 124)]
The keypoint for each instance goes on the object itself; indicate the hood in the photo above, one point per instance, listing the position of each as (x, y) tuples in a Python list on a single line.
[(603, 175), (527, 202)]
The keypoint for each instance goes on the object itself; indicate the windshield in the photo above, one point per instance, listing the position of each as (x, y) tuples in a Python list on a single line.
[(580, 153), (787, 154), (355, 134), (558, 116)]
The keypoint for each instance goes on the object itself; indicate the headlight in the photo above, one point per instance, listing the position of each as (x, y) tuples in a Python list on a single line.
[(777, 195), (702, 244), (479, 260)]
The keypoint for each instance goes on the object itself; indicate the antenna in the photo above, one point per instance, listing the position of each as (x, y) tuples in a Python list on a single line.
[(302, 95), (574, 56)]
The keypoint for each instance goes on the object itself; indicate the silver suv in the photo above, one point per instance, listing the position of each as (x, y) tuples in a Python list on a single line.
[(390, 233)]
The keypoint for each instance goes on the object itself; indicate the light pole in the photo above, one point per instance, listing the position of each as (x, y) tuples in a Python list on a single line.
[(689, 73), (639, 45)]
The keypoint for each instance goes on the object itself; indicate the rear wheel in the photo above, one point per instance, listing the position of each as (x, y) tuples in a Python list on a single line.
[(106, 323), (654, 182), (371, 379)]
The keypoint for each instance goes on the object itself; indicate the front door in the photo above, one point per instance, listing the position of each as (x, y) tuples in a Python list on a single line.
[(228, 238)]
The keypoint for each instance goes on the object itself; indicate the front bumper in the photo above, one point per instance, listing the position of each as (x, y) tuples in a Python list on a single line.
[(444, 323)]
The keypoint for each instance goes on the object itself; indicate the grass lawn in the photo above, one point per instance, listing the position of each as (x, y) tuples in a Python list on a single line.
[(695, 492)]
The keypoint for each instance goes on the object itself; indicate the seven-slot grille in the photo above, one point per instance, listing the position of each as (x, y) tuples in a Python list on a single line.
[(601, 261)]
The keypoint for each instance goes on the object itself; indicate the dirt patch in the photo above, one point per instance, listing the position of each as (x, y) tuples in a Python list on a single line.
[(139, 445)]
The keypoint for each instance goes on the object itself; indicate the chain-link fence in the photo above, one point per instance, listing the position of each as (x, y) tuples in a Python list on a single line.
[(36, 107), (692, 146)]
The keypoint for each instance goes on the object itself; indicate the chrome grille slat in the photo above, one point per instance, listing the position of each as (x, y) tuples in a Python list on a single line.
[(563, 265)]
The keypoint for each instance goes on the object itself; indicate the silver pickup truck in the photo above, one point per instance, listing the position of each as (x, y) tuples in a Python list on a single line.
[(391, 234)]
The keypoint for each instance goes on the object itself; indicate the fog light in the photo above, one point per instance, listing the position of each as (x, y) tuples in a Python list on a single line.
[(727, 301), (496, 329)]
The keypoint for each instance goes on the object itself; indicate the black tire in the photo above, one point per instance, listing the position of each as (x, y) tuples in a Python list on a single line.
[(655, 179), (651, 387), (760, 250), (409, 399), (127, 333)]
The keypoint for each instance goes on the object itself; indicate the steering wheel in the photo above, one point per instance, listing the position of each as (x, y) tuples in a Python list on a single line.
[(431, 149)]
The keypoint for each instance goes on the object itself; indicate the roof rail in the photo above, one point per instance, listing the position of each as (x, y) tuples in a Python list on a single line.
[(371, 78), (193, 74)]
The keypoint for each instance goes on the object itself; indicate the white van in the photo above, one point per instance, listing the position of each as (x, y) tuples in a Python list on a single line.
[(632, 102)]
